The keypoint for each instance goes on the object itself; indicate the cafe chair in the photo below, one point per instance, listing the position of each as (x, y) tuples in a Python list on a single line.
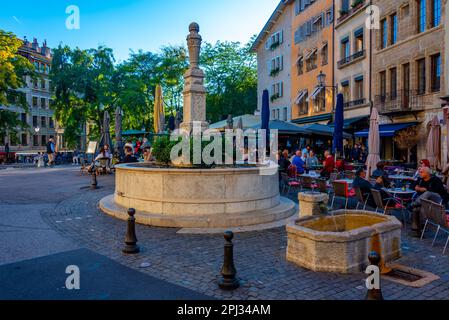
[(362, 199), (435, 215), (341, 190), (392, 204)]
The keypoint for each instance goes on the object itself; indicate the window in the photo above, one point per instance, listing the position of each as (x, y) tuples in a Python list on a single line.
[(23, 117), (436, 13), (304, 105), (358, 40), (43, 140), (35, 121), (325, 55), (277, 90), (436, 73), (300, 65), (35, 84), (383, 85), (24, 139), (277, 114), (285, 116), (43, 103), (35, 102), (346, 91), (51, 123), (394, 29), (345, 48), (422, 16), (393, 83), (276, 65), (421, 67), (344, 6), (383, 34), (311, 60), (320, 101), (35, 141), (43, 84), (43, 122), (358, 88)]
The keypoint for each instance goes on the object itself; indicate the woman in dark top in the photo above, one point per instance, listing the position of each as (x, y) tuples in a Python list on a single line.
[(380, 172)]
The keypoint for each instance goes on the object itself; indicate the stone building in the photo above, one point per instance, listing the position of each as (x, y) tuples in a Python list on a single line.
[(409, 73), (312, 53), (352, 47), (40, 118), (273, 48)]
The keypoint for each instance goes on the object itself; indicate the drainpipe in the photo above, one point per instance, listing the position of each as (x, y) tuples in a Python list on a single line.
[(370, 72)]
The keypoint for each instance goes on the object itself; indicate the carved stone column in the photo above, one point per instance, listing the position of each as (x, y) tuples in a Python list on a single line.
[(194, 90)]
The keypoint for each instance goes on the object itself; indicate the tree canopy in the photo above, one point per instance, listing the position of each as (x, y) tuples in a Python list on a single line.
[(13, 70), (88, 82)]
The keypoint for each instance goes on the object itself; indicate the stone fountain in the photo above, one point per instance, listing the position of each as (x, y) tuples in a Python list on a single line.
[(191, 197)]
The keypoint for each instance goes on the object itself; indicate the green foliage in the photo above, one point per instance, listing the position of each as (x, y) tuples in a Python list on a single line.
[(162, 147), (231, 79), (13, 70)]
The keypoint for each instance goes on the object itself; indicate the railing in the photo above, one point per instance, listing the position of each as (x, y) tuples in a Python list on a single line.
[(345, 15), (351, 58), (399, 101), (355, 103)]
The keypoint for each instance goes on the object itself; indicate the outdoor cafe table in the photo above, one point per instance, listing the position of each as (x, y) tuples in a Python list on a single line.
[(401, 194), (348, 181), (401, 177)]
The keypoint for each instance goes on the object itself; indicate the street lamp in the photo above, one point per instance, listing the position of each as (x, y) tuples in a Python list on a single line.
[(321, 79)]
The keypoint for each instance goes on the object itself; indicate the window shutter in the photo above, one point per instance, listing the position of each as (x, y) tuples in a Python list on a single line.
[(297, 36), (282, 62), (281, 89), (281, 36), (322, 19), (303, 5), (297, 7), (309, 28)]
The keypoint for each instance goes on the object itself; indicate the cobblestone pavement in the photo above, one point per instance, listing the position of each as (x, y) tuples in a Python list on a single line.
[(194, 261)]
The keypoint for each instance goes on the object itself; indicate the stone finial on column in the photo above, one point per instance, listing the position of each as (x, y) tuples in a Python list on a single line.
[(194, 41)]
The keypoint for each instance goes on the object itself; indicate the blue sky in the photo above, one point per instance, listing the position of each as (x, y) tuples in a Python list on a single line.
[(135, 24)]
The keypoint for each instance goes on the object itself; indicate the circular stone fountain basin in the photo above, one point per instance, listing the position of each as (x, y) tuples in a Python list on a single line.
[(197, 198), (342, 243)]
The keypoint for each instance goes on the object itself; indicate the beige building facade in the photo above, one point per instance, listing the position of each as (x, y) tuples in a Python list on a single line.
[(353, 57), (409, 73), (273, 48)]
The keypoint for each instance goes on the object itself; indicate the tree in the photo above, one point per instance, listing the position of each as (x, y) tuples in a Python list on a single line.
[(231, 79), (407, 139), (13, 71)]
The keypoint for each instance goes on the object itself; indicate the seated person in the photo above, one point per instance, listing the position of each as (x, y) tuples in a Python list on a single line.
[(340, 165), (129, 156), (283, 161), (298, 162), (329, 165), (423, 164), (147, 155), (430, 188), (312, 161), (380, 172), (365, 186)]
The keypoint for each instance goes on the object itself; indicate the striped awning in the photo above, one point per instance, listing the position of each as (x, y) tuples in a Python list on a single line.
[(301, 96), (315, 93), (311, 52)]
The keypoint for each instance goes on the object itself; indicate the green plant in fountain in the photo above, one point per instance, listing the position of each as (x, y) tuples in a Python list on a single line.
[(162, 147)]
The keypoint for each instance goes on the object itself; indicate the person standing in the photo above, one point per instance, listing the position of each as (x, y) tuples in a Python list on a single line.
[(51, 151)]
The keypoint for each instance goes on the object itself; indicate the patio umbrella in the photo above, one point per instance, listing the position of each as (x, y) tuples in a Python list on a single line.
[(373, 142), (171, 122), (339, 123), (159, 114), (266, 114), (434, 143), (106, 134), (118, 132)]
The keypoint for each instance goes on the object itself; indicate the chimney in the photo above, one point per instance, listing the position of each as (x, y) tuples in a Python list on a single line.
[(35, 44)]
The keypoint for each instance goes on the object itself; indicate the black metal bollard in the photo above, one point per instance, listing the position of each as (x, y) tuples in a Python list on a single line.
[(229, 280), (131, 246), (94, 184), (375, 294)]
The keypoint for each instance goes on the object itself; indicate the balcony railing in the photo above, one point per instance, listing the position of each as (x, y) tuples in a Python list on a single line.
[(345, 14), (355, 103), (399, 101), (351, 58)]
